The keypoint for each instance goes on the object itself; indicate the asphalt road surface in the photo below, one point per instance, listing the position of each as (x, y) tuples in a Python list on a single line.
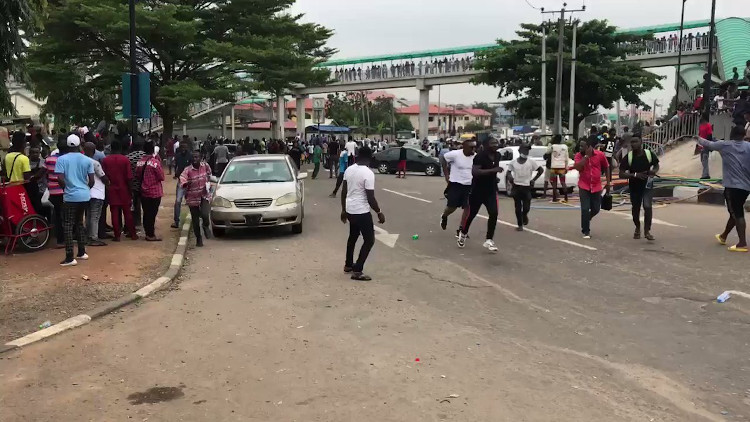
[(264, 326)]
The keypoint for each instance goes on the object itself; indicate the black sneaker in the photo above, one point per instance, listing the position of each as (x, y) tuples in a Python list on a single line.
[(175, 226), (525, 220), (199, 242), (443, 222)]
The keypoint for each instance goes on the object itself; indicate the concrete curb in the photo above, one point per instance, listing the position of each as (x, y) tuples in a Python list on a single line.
[(178, 258)]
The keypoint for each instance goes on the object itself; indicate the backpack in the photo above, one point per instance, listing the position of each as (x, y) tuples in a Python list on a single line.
[(648, 157)]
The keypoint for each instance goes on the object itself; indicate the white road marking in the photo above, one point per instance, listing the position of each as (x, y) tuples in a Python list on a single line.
[(628, 216), (387, 238), (548, 236), (408, 196)]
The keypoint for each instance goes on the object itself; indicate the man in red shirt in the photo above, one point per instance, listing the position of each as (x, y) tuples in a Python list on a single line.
[(149, 174), (117, 167), (590, 164), (705, 131)]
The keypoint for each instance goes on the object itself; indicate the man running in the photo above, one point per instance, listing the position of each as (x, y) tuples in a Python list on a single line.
[(639, 166), (343, 163), (519, 181), (457, 168), (485, 167), (735, 156), (357, 199)]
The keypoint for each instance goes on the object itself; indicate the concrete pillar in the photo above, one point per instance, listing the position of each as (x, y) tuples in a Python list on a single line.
[(184, 129), (424, 110), (280, 117), (223, 124), (300, 105), (231, 118)]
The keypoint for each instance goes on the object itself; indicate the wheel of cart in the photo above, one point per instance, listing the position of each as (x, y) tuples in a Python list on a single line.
[(19, 222)]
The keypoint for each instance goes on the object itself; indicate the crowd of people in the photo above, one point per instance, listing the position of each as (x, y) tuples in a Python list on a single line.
[(671, 43), (403, 69)]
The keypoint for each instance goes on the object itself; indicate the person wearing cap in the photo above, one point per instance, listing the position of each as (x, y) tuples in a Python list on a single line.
[(75, 174)]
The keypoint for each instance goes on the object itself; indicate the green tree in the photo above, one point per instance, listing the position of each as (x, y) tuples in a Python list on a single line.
[(19, 20), (403, 123), (194, 49), (602, 77), (473, 127)]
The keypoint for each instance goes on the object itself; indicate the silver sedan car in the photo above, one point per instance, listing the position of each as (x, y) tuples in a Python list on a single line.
[(258, 191)]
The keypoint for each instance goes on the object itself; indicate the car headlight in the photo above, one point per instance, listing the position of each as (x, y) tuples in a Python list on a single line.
[(289, 198), (219, 202)]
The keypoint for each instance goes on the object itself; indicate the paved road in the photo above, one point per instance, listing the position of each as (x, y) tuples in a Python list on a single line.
[(264, 326)]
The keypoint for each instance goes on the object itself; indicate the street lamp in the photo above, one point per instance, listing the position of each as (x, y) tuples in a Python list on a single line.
[(709, 71), (133, 75)]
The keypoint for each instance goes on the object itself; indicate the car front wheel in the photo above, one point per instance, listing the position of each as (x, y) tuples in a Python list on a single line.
[(430, 170), (297, 228), (383, 168)]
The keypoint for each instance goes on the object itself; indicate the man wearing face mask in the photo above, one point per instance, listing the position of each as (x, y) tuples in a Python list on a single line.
[(483, 192)]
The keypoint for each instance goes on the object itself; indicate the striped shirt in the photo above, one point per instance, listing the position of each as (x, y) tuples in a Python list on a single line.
[(52, 184)]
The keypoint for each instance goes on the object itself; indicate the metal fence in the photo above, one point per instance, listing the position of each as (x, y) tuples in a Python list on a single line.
[(663, 137)]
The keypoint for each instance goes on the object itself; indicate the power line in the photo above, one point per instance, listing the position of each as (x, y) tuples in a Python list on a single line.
[(532, 6)]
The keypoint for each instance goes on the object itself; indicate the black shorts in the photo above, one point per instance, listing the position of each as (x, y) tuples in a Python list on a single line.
[(457, 195), (735, 199)]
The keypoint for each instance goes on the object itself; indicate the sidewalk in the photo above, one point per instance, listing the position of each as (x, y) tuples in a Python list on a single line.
[(35, 289)]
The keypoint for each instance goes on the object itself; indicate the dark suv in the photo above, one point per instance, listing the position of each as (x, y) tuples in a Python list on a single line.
[(416, 161)]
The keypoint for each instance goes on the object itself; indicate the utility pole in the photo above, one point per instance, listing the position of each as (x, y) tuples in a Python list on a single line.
[(709, 71), (679, 60), (560, 49), (543, 125), (571, 112), (133, 76)]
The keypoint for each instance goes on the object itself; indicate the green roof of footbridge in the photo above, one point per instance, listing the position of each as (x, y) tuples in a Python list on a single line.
[(644, 30)]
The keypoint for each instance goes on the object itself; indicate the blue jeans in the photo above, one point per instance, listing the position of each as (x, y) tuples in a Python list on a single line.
[(591, 203), (178, 203)]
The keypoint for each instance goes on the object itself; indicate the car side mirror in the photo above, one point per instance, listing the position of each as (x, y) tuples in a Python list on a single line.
[(301, 175), (214, 179)]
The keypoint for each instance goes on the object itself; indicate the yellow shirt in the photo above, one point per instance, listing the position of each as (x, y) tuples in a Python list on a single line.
[(20, 167)]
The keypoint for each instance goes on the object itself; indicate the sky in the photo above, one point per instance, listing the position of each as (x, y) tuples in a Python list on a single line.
[(371, 27)]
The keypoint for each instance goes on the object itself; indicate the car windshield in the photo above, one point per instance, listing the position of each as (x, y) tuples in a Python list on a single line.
[(257, 171)]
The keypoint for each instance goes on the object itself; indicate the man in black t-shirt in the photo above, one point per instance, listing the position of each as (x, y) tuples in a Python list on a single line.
[(333, 158), (483, 191), (639, 166), (401, 169)]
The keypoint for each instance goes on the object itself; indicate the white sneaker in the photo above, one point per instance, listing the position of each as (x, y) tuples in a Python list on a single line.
[(586, 236), (69, 263), (83, 257), (461, 242), (490, 245)]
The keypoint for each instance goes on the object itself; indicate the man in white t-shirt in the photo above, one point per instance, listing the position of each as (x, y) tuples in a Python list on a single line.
[(558, 153), (457, 167), (94, 211), (351, 146), (357, 198), (519, 180)]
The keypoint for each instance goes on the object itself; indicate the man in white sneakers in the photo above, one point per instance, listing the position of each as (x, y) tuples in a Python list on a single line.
[(457, 167), (357, 199)]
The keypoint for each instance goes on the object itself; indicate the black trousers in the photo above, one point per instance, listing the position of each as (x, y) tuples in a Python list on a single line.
[(150, 209), (73, 228), (522, 200), (359, 224), (137, 206), (339, 181), (198, 212), (639, 195), (476, 200), (57, 203)]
